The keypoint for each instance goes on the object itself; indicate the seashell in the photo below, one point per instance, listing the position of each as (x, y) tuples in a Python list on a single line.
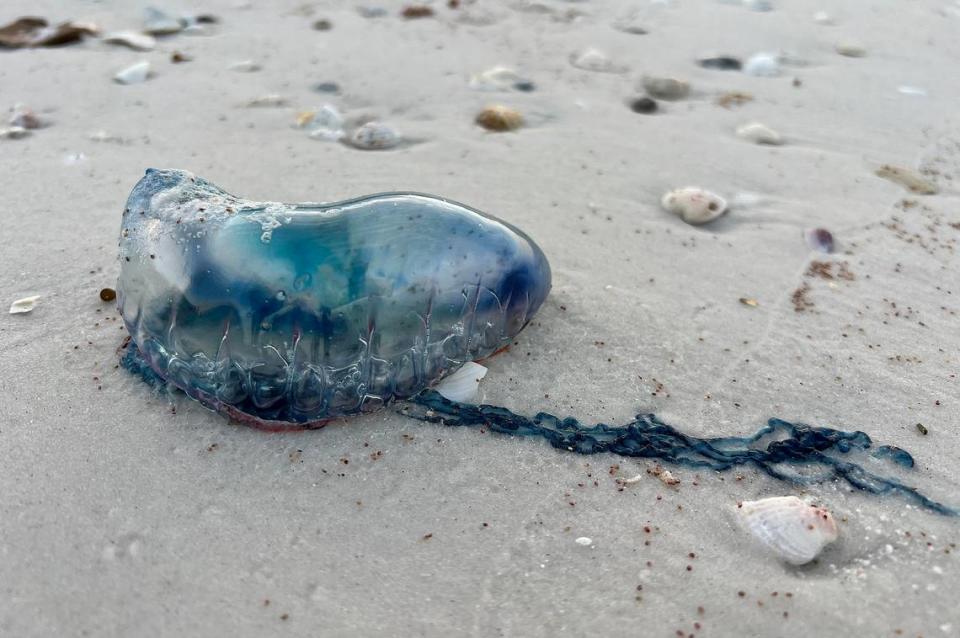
[(721, 63), (759, 134), (14, 133), (21, 306), (373, 136), (595, 60), (157, 22), (819, 239), (245, 66), (499, 118), (665, 88), (292, 314), (584, 541), (822, 17), (325, 117), (500, 78), (911, 180), (135, 74), (645, 105), (851, 49), (694, 205), (132, 39), (463, 385), (763, 65), (271, 100), (794, 530), (23, 116)]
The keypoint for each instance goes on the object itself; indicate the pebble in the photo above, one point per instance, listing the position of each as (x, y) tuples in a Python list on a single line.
[(157, 22), (595, 60), (135, 74), (819, 239), (645, 105), (108, 294), (322, 25), (851, 49), (665, 88), (909, 179), (177, 57), (326, 87), (759, 134), (413, 11), (583, 541), (721, 63), (23, 116), (373, 136), (694, 205), (763, 65), (13, 133), (499, 118), (245, 66), (21, 306), (132, 39)]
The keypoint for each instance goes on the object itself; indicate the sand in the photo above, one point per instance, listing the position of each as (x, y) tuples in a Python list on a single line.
[(124, 512)]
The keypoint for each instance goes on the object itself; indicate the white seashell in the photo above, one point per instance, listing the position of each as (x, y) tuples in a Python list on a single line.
[(245, 66), (463, 385), (911, 180), (794, 530), (156, 22), (694, 205), (595, 60), (665, 88), (135, 74), (851, 49), (374, 136), (498, 78), (133, 39), (14, 133), (763, 65), (26, 304), (759, 134), (584, 541), (822, 17)]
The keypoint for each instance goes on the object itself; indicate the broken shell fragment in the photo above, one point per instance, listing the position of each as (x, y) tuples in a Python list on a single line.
[(794, 530), (135, 74), (694, 205), (267, 101), (13, 133), (499, 118), (26, 304), (759, 134), (157, 22), (463, 386), (665, 88), (819, 239), (763, 65), (911, 180), (373, 136), (132, 39), (500, 78), (595, 60)]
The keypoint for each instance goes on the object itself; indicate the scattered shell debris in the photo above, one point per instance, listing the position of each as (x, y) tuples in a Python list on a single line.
[(792, 529), (694, 205), (21, 306)]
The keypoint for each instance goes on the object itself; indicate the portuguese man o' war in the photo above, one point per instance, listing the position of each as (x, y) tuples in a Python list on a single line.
[(289, 315), (280, 314)]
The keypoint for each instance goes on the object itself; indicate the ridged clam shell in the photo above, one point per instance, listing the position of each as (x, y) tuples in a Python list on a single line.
[(794, 530)]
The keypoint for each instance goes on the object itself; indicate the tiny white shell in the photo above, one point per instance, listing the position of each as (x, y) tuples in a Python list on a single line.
[(794, 530), (584, 541), (245, 66), (595, 60), (464, 384), (763, 65), (851, 49), (26, 304), (133, 74), (759, 134), (134, 40), (498, 78), (374, 136), (694, 205)]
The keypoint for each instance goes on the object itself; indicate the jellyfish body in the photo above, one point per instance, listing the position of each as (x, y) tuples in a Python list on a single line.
[(298, 313)]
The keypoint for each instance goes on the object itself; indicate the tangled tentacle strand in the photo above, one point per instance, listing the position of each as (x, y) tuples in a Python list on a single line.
[(649, 437)]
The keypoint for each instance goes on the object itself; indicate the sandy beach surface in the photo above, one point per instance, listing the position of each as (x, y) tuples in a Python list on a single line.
[(124, 512)]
